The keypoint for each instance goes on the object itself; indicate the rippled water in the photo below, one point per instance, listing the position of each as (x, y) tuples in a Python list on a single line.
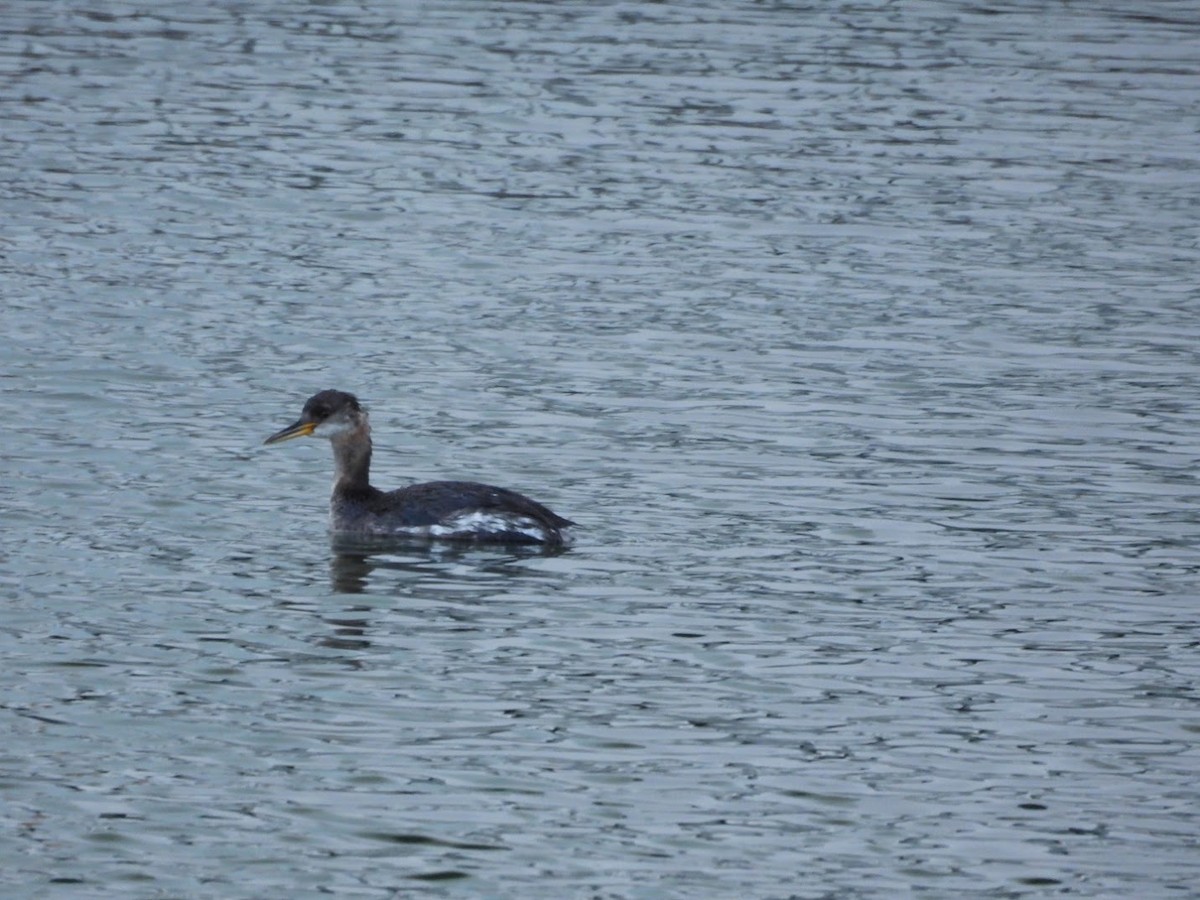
[(863, 341)]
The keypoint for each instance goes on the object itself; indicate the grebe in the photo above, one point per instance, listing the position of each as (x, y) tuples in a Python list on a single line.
[(448, 510)]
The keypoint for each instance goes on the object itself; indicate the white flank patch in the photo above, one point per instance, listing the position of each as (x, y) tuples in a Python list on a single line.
[(480, 523)]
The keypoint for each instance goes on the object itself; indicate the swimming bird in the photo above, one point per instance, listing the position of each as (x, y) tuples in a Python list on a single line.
[(446, 510)]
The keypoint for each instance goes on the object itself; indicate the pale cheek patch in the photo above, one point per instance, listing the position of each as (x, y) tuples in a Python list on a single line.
[(331, 429)]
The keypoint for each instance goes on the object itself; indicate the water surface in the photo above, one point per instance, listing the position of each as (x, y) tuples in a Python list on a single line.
[(861, 341)]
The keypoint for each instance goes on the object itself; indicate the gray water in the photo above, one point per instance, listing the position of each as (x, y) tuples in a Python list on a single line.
[(861, 340)]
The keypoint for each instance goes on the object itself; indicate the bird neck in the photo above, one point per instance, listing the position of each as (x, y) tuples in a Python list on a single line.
[(352, 458)]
